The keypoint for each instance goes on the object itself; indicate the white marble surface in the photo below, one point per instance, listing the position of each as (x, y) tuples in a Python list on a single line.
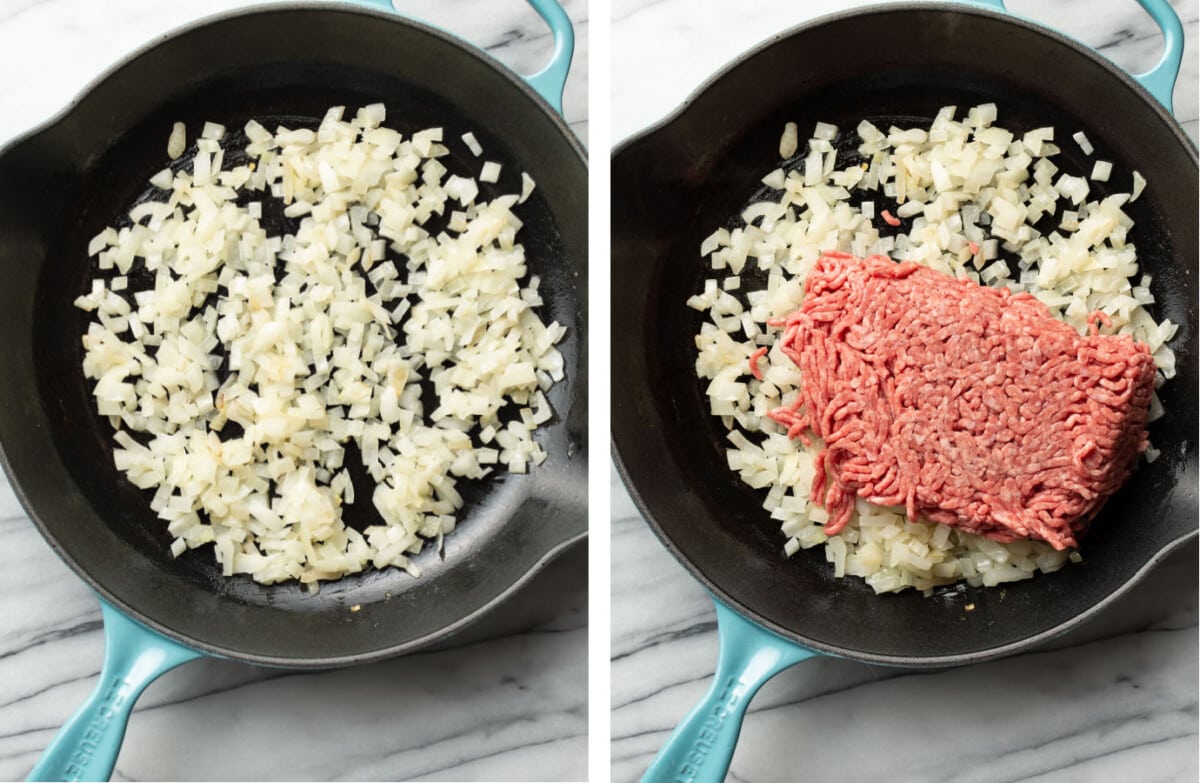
[(507, 702), (1115, 701)]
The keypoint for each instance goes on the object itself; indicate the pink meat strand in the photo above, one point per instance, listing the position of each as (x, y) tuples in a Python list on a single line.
[(755, 370), (965, 404)]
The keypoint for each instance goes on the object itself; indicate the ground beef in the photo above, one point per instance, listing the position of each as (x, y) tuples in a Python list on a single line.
[(965, 404)]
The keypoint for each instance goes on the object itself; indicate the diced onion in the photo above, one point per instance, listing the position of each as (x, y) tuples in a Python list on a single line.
[(472, 144), (1139, 184), (527, 186), (246, 363), (177, 142), (789, 141), (1101, 171), (490, 172)]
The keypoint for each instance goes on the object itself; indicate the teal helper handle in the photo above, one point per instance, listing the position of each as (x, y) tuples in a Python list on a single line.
[(552, 79), (700, 749), (1159, 81), (87, 745)]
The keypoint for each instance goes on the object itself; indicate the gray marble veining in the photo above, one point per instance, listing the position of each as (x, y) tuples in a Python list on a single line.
[(505, 700), (1115, 700)]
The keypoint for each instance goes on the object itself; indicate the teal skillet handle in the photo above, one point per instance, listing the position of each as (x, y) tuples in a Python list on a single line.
[(1159, 81), (700, 749), (86, 747), (551, 80)]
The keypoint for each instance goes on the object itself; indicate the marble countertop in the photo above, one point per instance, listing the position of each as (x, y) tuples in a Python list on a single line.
[(506, 700), (1114, 701)]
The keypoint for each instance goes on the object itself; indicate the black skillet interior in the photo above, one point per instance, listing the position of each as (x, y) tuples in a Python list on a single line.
[(678, 182), (60, 186)]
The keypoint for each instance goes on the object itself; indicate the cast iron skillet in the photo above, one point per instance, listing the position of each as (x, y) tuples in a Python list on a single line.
[(672, 185), (64, 182)]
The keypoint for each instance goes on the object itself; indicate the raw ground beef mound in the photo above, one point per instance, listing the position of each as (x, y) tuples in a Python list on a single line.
[(965, 404)]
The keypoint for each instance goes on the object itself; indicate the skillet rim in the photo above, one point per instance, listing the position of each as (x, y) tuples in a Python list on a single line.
[(961, 7), (291, 6), (715, 591), (552, 548)]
